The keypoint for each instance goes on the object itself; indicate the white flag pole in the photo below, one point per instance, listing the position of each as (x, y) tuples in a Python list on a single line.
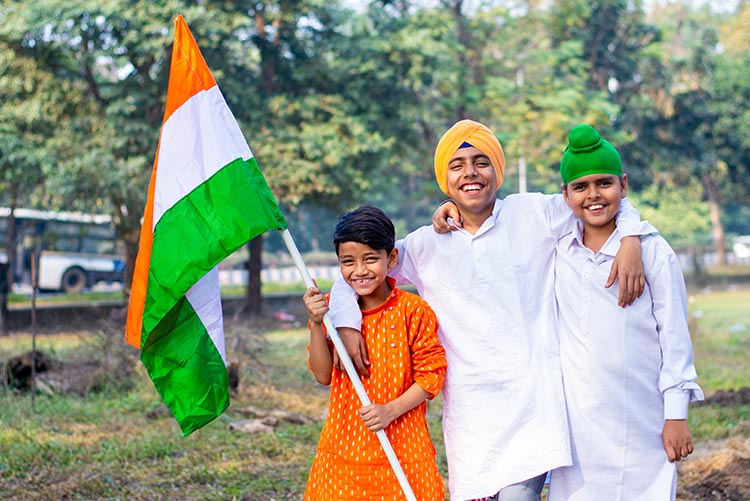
[(349, 366)]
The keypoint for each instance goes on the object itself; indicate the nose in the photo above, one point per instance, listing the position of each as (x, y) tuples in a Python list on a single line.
[(470, 170), (360, 268), (594, 192)]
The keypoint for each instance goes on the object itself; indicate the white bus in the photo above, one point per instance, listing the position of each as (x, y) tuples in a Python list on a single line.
[(76, 251)]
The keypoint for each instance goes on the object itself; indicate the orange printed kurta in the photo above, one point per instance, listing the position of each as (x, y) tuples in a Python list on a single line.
[(350, 465)]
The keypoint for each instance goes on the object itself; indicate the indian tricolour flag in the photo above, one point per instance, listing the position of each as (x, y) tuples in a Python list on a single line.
[(206, 199)]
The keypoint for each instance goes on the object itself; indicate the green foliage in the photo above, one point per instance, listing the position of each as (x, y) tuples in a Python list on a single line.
[(24, 122), (315, 148), (679, 213)]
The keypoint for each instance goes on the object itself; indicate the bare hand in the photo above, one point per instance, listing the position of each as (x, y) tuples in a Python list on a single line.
[(440, 218), (627, 268), (356, 348), (676, 438), (376, 416), (316, 304)]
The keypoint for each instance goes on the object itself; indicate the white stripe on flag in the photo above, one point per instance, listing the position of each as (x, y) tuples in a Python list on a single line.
[(205, 299), (197, 140)]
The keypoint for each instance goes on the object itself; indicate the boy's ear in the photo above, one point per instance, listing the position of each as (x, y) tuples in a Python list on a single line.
[(393, 258), (624, 183), (564, 190)]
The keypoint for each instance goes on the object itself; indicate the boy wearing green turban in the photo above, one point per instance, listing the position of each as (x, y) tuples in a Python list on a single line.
[(628, 373)]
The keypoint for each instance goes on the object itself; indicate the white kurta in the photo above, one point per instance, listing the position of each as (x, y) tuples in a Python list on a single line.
[(625, 371), (504, 418)]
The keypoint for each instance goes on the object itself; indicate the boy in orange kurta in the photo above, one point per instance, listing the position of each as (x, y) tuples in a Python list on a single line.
[(407, 367)]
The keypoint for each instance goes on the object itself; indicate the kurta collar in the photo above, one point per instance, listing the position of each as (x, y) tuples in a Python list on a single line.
[(574, 240), (489, 222), (388, 302)]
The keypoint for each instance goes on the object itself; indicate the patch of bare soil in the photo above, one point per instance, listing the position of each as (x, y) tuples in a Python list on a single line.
[(51, 376), (720, 471), (727, 398), (101, 361)]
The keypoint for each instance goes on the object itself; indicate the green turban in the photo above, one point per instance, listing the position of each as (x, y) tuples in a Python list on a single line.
[(588, 153)]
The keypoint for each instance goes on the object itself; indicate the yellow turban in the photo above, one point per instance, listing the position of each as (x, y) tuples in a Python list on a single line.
[(477, 135)]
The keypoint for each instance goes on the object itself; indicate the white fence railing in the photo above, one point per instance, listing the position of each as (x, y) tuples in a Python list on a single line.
[(708, 259), (286, 275)]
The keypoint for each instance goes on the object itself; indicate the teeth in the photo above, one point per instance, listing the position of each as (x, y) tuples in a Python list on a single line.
[(595, 207), (472, 187)]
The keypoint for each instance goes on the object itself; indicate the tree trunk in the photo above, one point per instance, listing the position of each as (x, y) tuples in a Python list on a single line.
[(8, 269), (10, 239), (254, 300), (717, 228), (3, 314), (129, 230), (268, 54), (132, 243)]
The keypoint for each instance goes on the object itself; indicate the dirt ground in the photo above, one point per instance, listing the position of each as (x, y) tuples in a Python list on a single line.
[(719, 471)]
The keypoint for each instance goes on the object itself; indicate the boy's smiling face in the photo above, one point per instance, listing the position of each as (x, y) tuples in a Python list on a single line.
[(595, 199), (471, 181), (365, 270)]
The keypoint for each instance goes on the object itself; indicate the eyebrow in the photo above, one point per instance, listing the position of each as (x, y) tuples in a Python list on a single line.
[(366, 254)]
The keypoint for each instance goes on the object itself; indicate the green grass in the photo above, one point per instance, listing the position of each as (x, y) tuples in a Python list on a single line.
[(720, 330), (55, 345), (121, 445), (117, 447), (720, 324), (24, 300)]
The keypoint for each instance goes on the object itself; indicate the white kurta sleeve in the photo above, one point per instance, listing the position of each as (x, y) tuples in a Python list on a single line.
[(629, 221), (677, 376), (343, 307), (560, 219)]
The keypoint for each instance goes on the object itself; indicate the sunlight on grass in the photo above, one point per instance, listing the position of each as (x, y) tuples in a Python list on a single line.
[(15, 345), (720, 329)]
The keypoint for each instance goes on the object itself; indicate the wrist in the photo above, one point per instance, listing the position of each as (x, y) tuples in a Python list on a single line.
[(392, 411)]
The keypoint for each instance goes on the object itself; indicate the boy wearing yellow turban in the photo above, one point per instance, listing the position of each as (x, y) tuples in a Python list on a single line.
[(470, 167), (491, 285), (630, 426)]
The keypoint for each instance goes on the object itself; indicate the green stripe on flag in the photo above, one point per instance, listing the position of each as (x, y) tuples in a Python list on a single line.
[(218, 217), (186, 368)]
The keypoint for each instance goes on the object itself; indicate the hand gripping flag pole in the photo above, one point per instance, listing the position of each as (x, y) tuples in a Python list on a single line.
[(349, 366)]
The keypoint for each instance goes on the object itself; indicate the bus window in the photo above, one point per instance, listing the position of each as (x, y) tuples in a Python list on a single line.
[(77, 250)]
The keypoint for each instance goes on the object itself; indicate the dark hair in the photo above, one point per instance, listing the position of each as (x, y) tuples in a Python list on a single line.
[(365, 225)]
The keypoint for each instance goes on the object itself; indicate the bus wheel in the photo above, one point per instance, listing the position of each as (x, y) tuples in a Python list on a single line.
[(73, 280)]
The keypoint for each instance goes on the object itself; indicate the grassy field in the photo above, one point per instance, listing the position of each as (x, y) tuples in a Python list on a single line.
[(115, 441)]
